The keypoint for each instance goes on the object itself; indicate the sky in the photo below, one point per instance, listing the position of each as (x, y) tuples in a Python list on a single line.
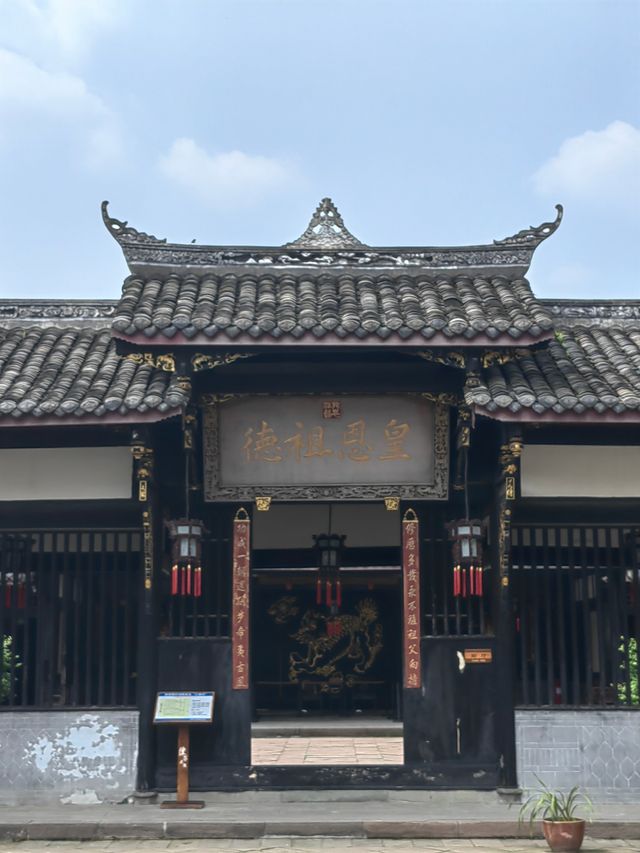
[(226, 121)]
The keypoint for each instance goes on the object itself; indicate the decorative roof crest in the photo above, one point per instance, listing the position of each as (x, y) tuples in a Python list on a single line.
[(533, 236), (326, 231), (123, 232)]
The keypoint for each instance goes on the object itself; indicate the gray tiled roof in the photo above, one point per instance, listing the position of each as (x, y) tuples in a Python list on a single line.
[(351, 304), (72, 373), (584, 368)]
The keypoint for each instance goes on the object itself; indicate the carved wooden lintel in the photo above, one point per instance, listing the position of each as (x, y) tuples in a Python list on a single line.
[(143, 459), (450, 359), (201, 361), (496, 357), (189, 422), (165, 362), (147, 536), (464, 426), (510, 452)]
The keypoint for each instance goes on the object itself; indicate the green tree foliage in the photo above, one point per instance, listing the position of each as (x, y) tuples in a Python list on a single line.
[(9, 659), (629, 649)]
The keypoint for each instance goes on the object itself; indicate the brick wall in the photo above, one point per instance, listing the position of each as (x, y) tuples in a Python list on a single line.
[(598, 749)]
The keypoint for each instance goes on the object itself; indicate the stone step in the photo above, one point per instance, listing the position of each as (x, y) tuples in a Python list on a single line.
[(332, 813), (318, 727), (205, 824), (434, 799)]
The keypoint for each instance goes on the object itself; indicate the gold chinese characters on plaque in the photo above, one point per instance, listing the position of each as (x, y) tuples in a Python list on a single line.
[(292, 446)]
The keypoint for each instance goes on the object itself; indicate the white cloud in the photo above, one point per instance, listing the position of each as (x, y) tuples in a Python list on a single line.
[(601, 165), (62, 29), (34, 100), (229, 178)]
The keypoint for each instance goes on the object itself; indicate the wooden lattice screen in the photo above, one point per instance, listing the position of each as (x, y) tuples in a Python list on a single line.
[(68, 617), (577, 614)]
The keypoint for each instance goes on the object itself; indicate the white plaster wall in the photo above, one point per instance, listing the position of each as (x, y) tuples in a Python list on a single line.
[(70, 756), (65, 473), (579, 471)]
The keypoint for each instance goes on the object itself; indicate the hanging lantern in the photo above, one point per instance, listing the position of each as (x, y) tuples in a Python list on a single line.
[(20, 591), (329, 556), (186, 552), (466, 536)]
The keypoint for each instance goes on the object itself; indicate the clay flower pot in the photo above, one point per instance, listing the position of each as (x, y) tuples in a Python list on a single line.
[(564, 835)]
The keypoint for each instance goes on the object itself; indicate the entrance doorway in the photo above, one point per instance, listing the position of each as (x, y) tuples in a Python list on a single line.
[(326, 677)]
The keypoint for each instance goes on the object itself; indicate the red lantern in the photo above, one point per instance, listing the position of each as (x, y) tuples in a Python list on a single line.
[(329, 552), (466, 536), (186, 552), (20, 592)]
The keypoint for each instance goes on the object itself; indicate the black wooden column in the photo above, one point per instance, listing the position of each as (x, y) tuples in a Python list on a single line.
[(505, 495), (147, 495)]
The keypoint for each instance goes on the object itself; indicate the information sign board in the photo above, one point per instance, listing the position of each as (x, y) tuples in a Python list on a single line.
[(184, 708)]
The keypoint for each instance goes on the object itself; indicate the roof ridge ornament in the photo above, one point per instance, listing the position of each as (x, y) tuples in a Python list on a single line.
[(123, 232), (533, 236), (326, 230)]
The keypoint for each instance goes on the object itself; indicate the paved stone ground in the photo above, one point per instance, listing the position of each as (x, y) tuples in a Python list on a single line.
[(327, 750), (307, 845)]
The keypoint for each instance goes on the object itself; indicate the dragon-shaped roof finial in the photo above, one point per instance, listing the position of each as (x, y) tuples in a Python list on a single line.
[(123, 232), (326, 230), (533, 236)]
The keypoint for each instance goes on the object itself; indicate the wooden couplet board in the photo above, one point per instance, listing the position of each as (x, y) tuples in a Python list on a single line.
[(411, 621), (183, 710), (240, 602)]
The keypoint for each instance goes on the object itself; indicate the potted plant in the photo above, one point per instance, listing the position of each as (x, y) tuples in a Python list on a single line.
[(562, 828)]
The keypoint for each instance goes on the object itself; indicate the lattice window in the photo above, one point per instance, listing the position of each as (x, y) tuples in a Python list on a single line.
[(68, 617), (577, 614)]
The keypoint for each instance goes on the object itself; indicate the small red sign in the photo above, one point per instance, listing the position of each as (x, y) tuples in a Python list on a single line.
[(478, 655)]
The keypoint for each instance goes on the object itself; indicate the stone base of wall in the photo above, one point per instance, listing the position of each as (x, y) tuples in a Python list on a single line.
[(599, 750), (69, 756)]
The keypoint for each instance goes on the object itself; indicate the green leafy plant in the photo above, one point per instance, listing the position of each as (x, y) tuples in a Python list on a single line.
[(547, 804), (9, 659), (629, 649)]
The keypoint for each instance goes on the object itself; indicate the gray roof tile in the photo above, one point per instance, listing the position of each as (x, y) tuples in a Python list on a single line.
[(365, 306), (585, 368), (74, 372)]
